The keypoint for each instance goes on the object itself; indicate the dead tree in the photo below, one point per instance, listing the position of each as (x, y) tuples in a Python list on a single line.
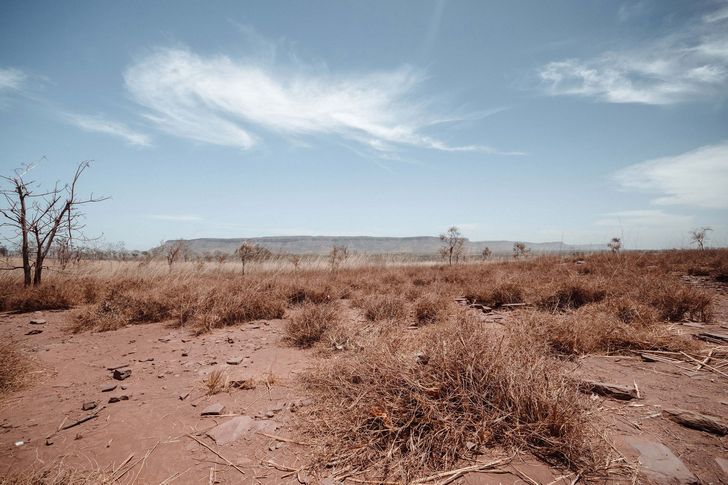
[(699, 235), (486, 254), (174, 252), (337, 255), (248, 252), (38, 218), (615, 245), (520, 250), (453, 245)]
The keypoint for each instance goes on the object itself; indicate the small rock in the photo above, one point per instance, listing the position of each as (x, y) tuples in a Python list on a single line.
[(37, 321), (121, 374), (235, 361), (230, 340), (165, 339), (184, 354), (34, 332), (108, 387), (213, 410), (114, 399), (87, 406), (422, 358), (183, 395), (270, 414), (616, 391)]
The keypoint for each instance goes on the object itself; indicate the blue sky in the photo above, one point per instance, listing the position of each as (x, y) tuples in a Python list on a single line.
[(540, 121)]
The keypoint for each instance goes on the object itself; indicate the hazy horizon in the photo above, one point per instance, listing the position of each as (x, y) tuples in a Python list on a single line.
[(568, 121)]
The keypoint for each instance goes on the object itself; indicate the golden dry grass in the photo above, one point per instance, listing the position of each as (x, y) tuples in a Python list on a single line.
[(13, 367), (411, 403)]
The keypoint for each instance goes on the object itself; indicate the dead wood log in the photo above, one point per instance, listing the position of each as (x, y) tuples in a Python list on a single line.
[(615, 391), (701, 422)]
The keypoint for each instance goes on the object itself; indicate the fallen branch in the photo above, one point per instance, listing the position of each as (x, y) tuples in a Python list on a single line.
[(218, 454)]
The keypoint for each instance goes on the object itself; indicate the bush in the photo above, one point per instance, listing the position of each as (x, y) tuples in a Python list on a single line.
[(307, 327)]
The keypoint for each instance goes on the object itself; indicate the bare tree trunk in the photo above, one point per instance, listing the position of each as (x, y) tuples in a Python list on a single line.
[(23, 223)]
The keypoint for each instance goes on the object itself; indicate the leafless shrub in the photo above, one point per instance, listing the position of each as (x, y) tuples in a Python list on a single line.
[(47, 297)]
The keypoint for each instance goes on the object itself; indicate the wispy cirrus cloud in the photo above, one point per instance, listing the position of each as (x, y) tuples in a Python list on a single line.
[(697, 178), (100, 124), (11, 78), (690, 64), (233, 102)]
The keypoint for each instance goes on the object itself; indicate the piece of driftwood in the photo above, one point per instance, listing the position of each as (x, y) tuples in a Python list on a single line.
[(714, 337), (83, 420), (701, 422), (615, 391)]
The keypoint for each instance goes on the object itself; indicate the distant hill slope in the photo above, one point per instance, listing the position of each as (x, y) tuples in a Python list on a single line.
[(320, 245)]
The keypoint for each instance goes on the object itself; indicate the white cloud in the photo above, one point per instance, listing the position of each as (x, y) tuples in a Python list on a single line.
[(697, 178), (222, 101), (175, 217), (690, 64), (11, 79), (99, 124)]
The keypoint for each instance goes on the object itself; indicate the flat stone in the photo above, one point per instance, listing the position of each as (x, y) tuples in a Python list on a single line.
[(723, 464), (34, 332), (37, 321), (235, 428), (87, 406), (213, 410), (108, 387), (235, 361), (659, 464), (121, 374), (183, 395), (114, 399)]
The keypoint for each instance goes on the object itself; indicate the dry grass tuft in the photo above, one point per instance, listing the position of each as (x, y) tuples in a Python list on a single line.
[(432, 308), (216, 381), (496, 296), (572, 294), (678, 302), (46, 297), (592, 330), (13, 368), (385, 411), (310, 324), (383, 307)]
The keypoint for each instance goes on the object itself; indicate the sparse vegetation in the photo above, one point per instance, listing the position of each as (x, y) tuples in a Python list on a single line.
[(13, 367)]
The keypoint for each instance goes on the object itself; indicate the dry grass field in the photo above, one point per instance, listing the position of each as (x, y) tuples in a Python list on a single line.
[(378, 372)]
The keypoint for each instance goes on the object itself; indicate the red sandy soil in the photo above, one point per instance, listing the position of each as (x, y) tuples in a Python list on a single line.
[(69, 370)]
